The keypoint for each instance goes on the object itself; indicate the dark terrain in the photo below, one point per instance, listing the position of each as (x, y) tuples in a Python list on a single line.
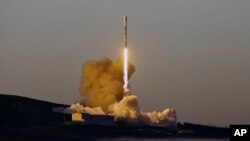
[(23, 118)]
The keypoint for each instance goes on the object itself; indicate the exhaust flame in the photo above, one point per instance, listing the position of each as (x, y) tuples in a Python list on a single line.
[(125, 71)]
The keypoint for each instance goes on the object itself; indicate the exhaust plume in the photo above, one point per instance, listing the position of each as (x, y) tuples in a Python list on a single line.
[(102, 87), (125, 71)]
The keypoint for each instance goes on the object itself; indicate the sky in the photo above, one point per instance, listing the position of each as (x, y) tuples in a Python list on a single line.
[(191, 55)]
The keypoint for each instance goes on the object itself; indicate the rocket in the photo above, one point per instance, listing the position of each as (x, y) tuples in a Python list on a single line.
[(125, 32)]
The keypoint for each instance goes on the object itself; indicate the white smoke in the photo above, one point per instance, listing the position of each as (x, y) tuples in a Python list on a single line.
[(78, 108), (167, 118), (126, 110)]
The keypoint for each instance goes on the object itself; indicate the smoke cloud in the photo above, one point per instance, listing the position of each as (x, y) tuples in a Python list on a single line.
[(126, 110), (102, 82), (78, 108), (102, 89)]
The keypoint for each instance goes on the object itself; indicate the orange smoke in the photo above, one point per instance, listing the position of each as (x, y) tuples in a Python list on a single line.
[(102, 82)]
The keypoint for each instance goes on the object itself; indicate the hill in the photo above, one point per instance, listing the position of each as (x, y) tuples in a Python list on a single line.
[(24, 118), (17, 110)]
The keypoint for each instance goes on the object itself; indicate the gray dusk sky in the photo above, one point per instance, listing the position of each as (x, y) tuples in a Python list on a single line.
[(191, 55)]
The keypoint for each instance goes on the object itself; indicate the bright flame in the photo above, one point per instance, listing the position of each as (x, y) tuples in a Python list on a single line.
[(125, 71)]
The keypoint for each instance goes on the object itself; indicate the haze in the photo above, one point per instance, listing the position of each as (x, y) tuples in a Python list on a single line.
[(191, 55)]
